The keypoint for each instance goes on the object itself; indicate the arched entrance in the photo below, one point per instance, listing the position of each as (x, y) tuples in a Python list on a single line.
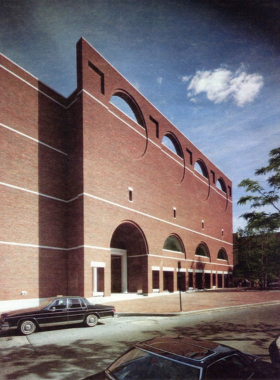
[(129, 269)]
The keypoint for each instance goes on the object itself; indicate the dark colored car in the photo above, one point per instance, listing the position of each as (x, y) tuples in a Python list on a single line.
[(53, 312), (177, 357)]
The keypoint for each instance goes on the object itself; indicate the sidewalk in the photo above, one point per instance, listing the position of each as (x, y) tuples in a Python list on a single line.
[(195, 301)]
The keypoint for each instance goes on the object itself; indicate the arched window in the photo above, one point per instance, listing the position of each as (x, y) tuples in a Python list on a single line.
[(202, 250), (221, 185), (128, 106), (172, 243), (201, 168), (170, 141), (222, 255)]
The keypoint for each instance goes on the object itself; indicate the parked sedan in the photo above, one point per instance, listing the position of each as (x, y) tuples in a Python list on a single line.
[(177, 357), (53, 312)]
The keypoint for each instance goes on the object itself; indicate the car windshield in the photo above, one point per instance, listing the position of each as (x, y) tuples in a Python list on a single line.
[(46, 303), (140, 364)]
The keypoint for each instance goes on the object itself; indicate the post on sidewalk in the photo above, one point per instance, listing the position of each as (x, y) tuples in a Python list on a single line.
[(179, 284)]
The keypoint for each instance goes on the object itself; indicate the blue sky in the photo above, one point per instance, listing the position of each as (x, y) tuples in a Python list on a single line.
[(211, 67)]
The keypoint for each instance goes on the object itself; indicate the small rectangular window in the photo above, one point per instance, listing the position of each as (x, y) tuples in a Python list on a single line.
[(130, 194), (222, 232), (174, 213), (202, 224)]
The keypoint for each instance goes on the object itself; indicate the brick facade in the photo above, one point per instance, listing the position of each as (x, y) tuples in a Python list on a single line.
[(89, 195)]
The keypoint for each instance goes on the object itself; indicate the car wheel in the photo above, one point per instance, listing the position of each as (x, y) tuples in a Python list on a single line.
[(27, 327), (91, 320)]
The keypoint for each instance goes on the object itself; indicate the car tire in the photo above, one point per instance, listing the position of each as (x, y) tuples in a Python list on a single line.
[(27, 327), (91, 320)]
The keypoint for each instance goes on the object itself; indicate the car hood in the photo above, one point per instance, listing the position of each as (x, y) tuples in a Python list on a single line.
[(14, 313)]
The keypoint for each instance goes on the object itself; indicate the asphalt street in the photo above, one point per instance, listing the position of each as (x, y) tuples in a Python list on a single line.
[(75, 352)]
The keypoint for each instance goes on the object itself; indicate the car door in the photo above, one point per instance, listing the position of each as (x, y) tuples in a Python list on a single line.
[(54, 314), (76, 310)]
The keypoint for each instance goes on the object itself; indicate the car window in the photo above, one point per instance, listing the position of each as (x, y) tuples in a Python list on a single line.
[(59, 304), (82, 302), (229, 368), (74, 303), (139, 364)]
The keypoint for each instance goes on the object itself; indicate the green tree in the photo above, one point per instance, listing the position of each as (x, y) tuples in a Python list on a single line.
[(260, 197), (257, 255), (257, 248)]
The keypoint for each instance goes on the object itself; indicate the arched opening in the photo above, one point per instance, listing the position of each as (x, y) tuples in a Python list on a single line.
[(222, 255), (202, 250), (173, 243), (128, 259), (221, 185), (123, 101), (171, 142), (201, 168)]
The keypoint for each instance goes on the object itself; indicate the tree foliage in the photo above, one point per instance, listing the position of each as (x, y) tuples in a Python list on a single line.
[(257, 247), (259, 197), (257, 256)]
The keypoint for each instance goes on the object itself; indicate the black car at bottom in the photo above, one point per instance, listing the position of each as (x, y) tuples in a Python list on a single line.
[(177, 357), (55, 311)]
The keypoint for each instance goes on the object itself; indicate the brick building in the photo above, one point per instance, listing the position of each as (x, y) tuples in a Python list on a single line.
[(93, 201)]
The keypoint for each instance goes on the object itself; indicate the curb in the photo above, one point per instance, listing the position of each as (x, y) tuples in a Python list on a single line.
[(181, 313)]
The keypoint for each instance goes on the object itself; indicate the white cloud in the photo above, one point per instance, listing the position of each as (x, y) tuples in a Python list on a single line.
[(186, 78), (222, 85), (159, 80)]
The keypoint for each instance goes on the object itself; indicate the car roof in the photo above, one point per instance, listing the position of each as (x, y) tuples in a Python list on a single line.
[(60, 297), (186, 350)]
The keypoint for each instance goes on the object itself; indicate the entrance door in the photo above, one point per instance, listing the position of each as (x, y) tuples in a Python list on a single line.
[(116, 274), (118, 270)]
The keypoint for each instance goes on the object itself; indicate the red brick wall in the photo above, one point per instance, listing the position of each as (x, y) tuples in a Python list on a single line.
[(67, 166)]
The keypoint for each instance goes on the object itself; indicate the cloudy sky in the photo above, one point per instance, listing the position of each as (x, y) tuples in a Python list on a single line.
[(211, 67)]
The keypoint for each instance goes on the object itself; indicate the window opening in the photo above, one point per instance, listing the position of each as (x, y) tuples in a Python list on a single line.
[(172, 243), (130, 194), (221, 185), (174, 212), (202, 224), (222, 255), (126, 104), (171, 143), (201, 169), (202, 250)]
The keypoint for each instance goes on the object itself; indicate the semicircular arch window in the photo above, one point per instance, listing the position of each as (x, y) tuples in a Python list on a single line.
[(222, 255), (221, 185), (202, 250), (201, 168), (128, 106), (172, 243), (171, 143)]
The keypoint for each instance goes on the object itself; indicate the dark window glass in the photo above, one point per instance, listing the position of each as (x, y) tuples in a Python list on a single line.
[(173, 244), (138, 364), (230, 368), (201, 250)]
